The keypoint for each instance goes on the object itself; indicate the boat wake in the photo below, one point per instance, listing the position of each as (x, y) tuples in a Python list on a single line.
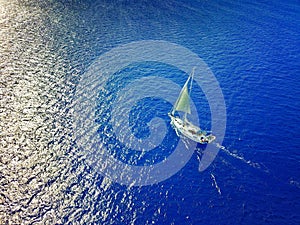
[(199, 152), (215, 184), (234, 155)]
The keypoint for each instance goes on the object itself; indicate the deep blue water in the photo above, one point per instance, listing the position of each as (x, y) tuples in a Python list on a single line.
[(252, 48)]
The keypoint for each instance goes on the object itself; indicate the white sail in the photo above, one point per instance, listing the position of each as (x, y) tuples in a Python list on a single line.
[(183, 101)]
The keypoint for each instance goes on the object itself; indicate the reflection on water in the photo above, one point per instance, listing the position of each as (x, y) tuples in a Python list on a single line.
[(37, 82), (44, 48)]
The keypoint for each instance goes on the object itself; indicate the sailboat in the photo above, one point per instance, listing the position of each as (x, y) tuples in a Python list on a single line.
[(183, 127)]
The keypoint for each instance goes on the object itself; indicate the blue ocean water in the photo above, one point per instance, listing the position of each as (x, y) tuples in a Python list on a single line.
[(251, 47)]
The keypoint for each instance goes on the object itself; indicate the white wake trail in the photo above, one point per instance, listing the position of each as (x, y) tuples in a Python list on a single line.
[(249, 162), (215, 184)]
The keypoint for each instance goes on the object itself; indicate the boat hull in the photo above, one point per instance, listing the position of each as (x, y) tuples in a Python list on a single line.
[(190, 131)]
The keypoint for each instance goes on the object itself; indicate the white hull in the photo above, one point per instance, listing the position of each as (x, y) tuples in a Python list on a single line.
[(190, 131)]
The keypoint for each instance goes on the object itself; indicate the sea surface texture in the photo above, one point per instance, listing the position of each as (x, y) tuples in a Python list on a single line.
[(48, 49)]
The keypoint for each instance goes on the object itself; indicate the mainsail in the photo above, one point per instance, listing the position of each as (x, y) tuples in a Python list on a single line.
[(183, 101)]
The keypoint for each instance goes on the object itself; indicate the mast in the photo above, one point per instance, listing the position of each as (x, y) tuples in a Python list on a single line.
[(191, 77)]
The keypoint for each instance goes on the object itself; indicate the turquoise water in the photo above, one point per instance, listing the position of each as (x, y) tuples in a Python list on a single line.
[(46, 48)]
